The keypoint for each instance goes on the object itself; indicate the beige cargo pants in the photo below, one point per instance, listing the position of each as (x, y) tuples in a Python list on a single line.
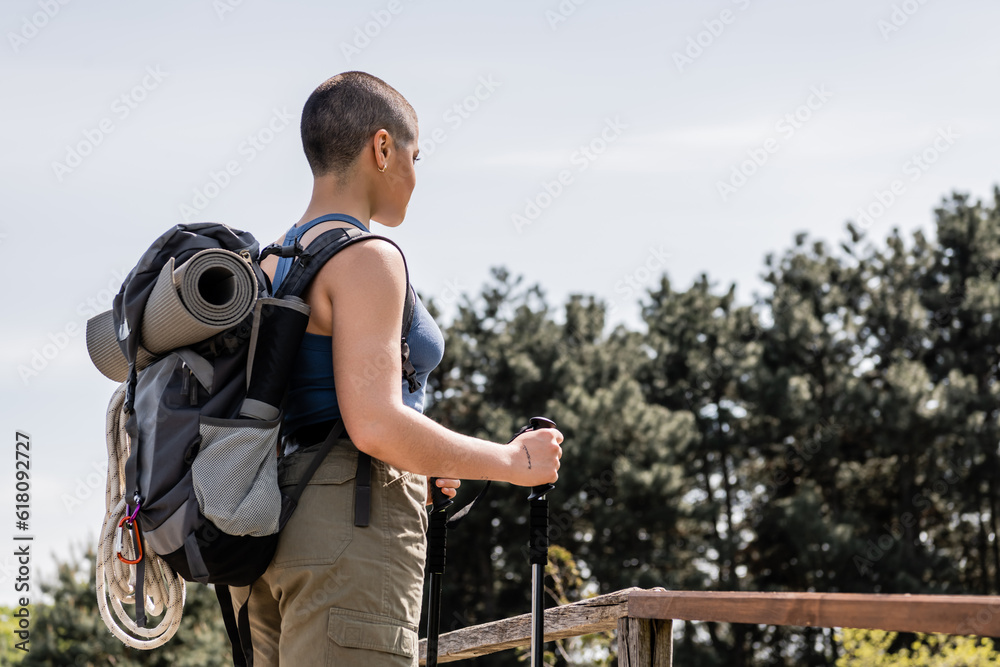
[(336, 594)]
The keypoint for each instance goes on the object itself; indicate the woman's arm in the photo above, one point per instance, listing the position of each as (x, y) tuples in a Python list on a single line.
[(364, 286)]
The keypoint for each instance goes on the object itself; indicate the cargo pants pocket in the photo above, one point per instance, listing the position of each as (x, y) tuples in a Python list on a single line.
[(322, 526), (394, 642)]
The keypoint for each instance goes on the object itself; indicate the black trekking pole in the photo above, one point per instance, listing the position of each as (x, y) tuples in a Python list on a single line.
[(437, 547), (539, 556)]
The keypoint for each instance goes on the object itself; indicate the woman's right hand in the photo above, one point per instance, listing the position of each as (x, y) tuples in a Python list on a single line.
[(534, 457)]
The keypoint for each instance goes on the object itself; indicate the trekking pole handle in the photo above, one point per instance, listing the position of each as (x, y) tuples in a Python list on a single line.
[(538, 555), (437, 550), (440, 502), (538, 423)]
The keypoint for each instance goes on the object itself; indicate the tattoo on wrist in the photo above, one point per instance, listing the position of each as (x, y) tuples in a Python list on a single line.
[(528, 454)]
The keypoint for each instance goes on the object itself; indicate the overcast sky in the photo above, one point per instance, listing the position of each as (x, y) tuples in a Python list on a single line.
[(588, 146)]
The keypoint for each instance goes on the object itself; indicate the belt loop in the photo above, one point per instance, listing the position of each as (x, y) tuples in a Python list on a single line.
[(363, 490)]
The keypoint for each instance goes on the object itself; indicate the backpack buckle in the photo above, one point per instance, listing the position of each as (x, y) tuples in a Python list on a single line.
[(293, 250)]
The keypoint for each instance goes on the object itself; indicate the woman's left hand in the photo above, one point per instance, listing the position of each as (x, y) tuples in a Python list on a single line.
[(448, 487)]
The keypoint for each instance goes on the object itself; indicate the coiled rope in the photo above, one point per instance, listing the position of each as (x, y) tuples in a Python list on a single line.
[(164, 589)]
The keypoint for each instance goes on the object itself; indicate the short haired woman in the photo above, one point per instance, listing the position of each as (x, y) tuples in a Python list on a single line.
[(336, 593)]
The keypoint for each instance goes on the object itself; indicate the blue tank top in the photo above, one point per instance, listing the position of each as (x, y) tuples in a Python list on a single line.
[(312, 397)]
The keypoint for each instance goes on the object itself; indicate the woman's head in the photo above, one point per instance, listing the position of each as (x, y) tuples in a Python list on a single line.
[(355, 124)]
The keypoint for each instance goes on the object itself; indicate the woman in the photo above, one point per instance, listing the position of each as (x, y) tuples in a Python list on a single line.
[(336, 593)]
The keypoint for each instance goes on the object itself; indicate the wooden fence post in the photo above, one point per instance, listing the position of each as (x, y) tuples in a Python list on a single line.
[(645, 642)]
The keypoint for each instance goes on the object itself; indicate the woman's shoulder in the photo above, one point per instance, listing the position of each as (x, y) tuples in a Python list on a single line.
[(373, 252), (371, 265)]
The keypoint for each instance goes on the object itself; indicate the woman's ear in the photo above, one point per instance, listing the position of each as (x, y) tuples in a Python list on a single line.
[(380, 146)]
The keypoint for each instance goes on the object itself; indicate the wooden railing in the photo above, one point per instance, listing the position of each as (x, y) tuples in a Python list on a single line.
[(643, 619)]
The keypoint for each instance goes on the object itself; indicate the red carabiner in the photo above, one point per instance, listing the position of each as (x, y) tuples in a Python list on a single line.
[(127, 524)]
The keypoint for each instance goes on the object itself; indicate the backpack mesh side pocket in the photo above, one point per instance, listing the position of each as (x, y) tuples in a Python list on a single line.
[(235, 475)]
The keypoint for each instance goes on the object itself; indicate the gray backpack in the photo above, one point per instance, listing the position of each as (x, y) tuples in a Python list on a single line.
[(205, 348)]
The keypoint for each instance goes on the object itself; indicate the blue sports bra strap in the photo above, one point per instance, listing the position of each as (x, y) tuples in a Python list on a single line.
[(330, 217), (296, 233), (281, 271)]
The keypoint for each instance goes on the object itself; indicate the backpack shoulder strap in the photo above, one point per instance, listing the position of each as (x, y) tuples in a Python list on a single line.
[(320, 250), (409, 372), (291, 248), (231, 623)]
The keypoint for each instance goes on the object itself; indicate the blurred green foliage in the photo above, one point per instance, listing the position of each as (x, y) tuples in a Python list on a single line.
[(67, 629), (9, 654), (872, 648)]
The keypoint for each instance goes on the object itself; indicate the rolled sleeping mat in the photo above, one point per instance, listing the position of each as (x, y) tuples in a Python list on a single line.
[(209, 293), (107, 355), (278, 327), (205, 295)]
